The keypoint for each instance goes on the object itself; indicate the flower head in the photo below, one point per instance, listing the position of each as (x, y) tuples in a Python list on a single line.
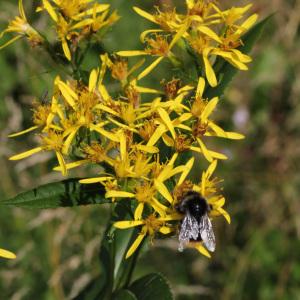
[(22, 28)]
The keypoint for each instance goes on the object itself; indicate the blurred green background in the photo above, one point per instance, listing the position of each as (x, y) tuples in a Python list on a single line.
[(257, 256)]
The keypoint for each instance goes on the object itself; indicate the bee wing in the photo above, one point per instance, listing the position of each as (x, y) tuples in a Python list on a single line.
[(189, 229), (207, 233)]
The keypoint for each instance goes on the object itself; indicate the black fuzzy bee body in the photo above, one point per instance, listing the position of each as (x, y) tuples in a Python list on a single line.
[(196, 225)]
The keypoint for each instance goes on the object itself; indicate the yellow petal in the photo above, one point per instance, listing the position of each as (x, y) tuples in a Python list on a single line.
[(204, 150), (168, 140), (21, 10), (67, 92), (217, 202), (145, 15), (128, 224), (172, 217), (121, 125), (69, 139), (158, 207), (95, 179), (106, 109), (217, 155), (247, 24), (72, 165), (122, 139), (103, 92), (173, 159), (66, 49), (168, 172), (234, 135), (165, 230), (135, 244), (149, 68), (62, 163), (179, 34), (82, 23), (206, 30), (7, 254), (138, 211), (188, 167), (203, 184), (165, 117), (50, 10), (163, 190), (93, 79), (132, 53), (148, 149), (211, 169), (200, 87), (236, 63), (95, 10), (119, 194), (202, 250), (111, 136), (146, 32), (209, 108), (185, 88), (235, 57), (225, 214), (241, 56), (11, 41), (26, 153), (145, 90), (213, 154), (217, 129), (159, 131), (23, 132), (209, 71)]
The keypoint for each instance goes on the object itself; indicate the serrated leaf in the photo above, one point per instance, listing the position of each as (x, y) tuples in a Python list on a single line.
[(152, 286), (65, 193), (124, 295), (227, 71)]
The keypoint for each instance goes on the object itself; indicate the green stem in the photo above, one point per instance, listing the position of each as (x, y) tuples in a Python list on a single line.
[(112, 252), (126, 276), (132, 266)]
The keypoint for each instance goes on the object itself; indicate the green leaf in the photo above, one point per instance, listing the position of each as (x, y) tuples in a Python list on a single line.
[(227, 71), (152, 286), (124, 295), (65, 193)]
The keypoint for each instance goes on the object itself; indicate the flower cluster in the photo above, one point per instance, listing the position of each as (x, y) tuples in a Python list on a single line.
[(206, 31), (144, 139), (74, 20)]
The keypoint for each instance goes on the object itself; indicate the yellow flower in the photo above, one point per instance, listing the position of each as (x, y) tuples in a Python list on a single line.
[(165, 172), (202, 124), (169, 21), (83, 111), (157, 46), (150, 226), (52, 141), (207, 43), (21, 26), (41, 114), (201, 8), (76, 18), (145, 194), (7, 254)]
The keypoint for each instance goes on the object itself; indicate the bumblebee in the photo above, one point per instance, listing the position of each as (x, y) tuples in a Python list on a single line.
[(196, 225)]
